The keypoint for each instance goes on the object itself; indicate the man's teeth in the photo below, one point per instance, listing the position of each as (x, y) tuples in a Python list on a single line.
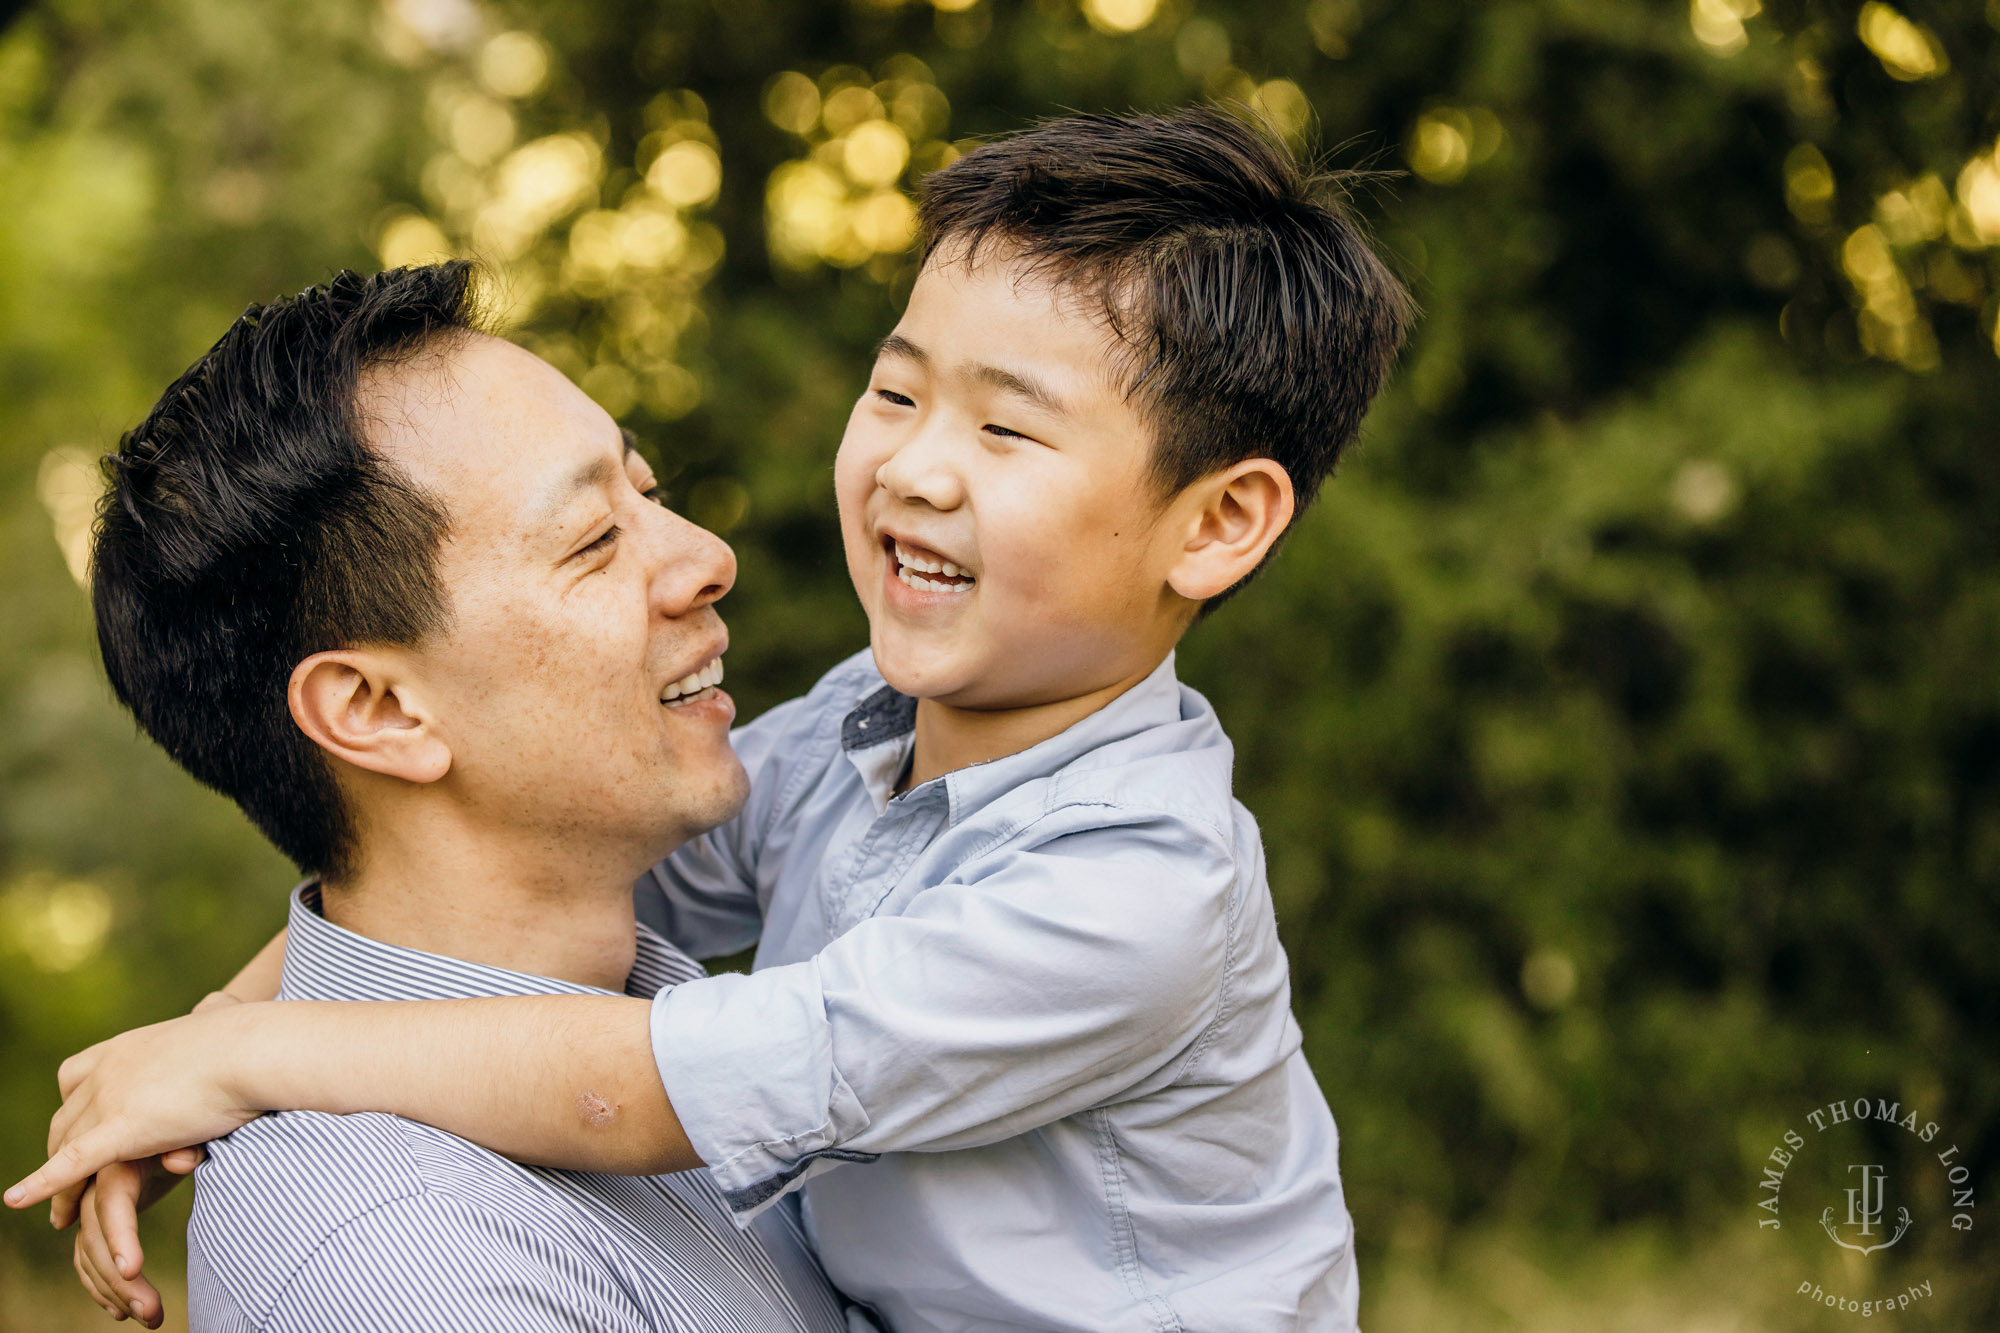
[(694, 682), (911, 567)]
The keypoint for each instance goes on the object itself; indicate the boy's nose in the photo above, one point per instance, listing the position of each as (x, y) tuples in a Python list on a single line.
[(920, 472)]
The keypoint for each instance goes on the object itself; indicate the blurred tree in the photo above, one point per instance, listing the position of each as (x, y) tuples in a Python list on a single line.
[(1623, 723)]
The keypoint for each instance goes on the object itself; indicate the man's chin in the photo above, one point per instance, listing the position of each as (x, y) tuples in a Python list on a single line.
[(701, 805)]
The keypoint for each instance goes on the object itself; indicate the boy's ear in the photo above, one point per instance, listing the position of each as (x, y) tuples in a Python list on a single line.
[(359, 707), (1233, 518)]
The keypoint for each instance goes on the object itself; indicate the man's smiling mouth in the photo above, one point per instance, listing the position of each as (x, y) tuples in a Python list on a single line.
[(697, 682), (927, 571)]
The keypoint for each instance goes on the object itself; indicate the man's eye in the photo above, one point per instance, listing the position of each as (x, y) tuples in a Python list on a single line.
[(603, 543), (655, 494), (891, 396)]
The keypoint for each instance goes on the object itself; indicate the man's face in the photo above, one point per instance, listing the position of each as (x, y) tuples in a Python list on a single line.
[(575, 684), (999, 525)]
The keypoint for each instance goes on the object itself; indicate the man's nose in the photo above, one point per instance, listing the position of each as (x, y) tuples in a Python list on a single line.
[(923, 469), (695, 567)]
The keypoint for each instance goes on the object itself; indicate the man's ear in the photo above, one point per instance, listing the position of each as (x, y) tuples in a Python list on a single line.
[(1232, 519), (356, 706)]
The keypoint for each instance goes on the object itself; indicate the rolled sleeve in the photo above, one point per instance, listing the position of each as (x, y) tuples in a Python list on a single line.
[(1066, 975), (748, 1064)]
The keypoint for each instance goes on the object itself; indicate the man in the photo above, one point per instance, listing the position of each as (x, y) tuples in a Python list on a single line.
[(399, 589)]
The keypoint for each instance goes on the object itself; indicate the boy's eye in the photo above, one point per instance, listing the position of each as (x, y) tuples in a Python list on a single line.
[(891, 396), (1002, 432)]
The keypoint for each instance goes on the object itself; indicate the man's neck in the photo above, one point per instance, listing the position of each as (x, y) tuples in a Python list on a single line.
[(441, 892)]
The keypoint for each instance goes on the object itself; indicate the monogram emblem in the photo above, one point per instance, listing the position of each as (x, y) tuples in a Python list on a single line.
[(1866, 1203)]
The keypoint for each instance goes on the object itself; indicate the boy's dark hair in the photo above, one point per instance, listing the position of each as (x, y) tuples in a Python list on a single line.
[(248, 525), (1259, 324)]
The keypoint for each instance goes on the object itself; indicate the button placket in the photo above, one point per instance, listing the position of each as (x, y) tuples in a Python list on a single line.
[(895, 840)]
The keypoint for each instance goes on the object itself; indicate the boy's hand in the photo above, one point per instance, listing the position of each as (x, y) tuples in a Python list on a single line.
[(152, 1090), (108, 1254)]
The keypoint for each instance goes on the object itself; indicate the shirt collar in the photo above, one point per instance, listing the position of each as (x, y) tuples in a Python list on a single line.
[(326, 962), (879, 733)]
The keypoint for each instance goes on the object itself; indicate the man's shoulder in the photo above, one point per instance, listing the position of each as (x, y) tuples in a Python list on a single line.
[(307, 1170), (276, 1192)]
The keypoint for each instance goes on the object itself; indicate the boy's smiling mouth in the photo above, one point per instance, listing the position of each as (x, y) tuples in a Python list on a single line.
[(925, 570)]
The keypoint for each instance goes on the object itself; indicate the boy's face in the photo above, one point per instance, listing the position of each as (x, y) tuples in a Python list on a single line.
[(999, 524)]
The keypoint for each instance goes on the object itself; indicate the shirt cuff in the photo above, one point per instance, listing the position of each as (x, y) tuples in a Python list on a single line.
[(747, 1062)]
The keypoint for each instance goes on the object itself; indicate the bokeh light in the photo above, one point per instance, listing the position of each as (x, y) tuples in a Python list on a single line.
[(514, 64), (1719, 24), (845, 201), (68, 483), (1447, 141), (56, 924), (1120, 16), (1907, 50)]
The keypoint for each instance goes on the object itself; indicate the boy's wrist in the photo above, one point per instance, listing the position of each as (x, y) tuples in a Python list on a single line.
[(248, 1056)]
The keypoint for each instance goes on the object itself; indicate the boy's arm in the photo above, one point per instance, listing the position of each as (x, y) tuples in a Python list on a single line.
[(565, 1081), (109, 1257), (1068, 976), (258, 979)]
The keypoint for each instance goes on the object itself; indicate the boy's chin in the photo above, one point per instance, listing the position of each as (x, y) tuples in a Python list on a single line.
[(922, 671)]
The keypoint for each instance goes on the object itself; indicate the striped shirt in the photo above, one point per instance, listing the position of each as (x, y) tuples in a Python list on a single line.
[(323, 1223)]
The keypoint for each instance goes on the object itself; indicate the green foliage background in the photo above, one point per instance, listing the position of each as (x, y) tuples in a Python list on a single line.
[(1624, 722)]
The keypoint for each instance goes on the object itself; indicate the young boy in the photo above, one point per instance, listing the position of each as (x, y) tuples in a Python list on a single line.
[(1018, 1027)]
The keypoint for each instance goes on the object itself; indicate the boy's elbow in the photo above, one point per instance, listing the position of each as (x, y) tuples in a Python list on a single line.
[(640, 1137)]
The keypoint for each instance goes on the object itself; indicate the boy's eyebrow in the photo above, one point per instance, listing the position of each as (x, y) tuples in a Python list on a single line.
[(897, 345), (1007, 381), (1022, 386)]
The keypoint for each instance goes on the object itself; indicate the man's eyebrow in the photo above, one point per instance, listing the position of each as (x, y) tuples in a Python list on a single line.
[(598, 473)]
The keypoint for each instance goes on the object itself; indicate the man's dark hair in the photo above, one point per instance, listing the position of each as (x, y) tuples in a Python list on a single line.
[(1256, 320), (248, 525)]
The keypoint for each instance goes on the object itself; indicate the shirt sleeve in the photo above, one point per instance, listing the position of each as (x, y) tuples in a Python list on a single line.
[(432, 1263), (1067, 975), (704, 897)]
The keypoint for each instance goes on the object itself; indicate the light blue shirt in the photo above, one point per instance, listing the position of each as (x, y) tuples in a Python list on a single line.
[(311, 1223), (1022, 1033)]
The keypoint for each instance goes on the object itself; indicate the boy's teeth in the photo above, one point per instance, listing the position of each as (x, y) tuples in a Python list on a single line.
[(915, 580), (914, 564)]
